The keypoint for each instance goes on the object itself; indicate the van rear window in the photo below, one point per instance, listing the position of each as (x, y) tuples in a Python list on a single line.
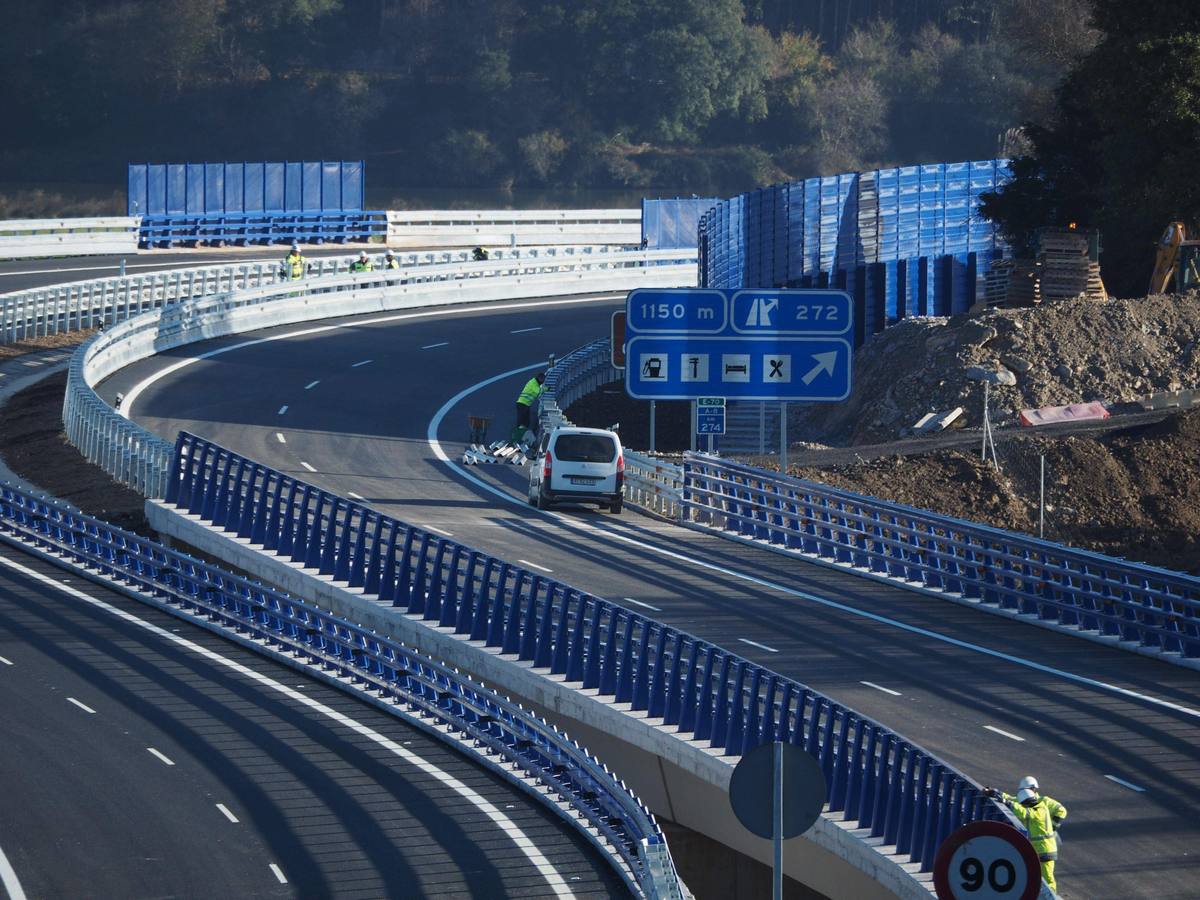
[(595, 448)]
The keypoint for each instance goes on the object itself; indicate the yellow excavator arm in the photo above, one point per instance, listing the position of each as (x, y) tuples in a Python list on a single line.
[(1167, 258)]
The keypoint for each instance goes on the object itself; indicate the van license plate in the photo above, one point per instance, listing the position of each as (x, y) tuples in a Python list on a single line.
[(575, 480)]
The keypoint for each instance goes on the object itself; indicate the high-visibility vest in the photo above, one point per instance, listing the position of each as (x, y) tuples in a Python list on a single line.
[(1041, 821), (530, 392), (392, 263), (360, 266), (295, 265)]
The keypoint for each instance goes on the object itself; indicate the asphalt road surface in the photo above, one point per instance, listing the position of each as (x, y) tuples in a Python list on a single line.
[(352, 405), (145, 757)]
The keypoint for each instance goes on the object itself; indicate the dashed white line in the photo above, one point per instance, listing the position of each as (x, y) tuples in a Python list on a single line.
[(526, 330), (880, 687), (227, 814), (1124, 783), (282, 410), (361, 362), (282, 439), (312, 384), (640, 603), (7, 662), (160, 755), (534, 565), (1003, 733), (83, 706), (433, 346), (278, 872), (354, 496), (440, 530), (758, 645), (307, 466)]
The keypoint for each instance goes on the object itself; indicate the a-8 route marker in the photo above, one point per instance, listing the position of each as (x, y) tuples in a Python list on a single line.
[(987, 861)]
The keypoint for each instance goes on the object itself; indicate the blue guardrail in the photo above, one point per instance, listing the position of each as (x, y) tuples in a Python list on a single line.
[(1153, 609), (289, 628), (889, 785)]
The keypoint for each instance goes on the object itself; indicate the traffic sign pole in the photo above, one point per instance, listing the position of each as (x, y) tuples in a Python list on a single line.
[(777, 887), (652, 411), (783, 438)]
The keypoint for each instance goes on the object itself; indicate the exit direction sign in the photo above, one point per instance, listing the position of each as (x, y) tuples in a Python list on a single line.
[(684, 344), (710, 415)]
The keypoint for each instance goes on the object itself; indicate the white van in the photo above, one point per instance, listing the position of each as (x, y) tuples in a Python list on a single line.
[(577, 465)]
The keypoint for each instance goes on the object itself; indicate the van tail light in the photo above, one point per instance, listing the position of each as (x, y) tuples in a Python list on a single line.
[(546, 466), (620, 470)]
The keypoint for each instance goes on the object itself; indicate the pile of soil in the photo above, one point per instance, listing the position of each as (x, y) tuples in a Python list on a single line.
[(1061, 352), (46, 342)]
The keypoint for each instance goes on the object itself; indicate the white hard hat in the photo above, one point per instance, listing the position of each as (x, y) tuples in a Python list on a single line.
[(1024, 795), (295, 246), (1028, 782)]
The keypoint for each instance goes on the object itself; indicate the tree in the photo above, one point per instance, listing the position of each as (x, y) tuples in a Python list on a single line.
[(1124, 148)]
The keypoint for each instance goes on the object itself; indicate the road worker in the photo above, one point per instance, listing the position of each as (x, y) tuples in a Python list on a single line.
[(479, 254), (294, 264), (362, 264), (390, 261), (532, 390), (1041, 817)]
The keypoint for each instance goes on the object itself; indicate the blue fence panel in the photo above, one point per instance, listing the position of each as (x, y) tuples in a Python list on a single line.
[(136, 192), (909, 223), (331, 186), (234, 188), (933, 210), (194, 177), (781, 226), (253, 188), (214, 188), (353, 186), (156, 190), (176, 184), (310, 189), (273, 187)]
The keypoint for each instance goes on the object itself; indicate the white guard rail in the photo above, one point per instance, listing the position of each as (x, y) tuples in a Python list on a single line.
[(509, 227), (105, 301), (30, 238), (140, 459)]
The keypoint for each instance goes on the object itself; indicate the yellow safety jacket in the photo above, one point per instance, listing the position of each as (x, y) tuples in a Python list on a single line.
[(391, 263), (360, 266), (295, 264), (1041, 821), (530, 392)]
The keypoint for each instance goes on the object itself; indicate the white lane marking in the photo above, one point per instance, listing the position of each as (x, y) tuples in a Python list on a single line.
[(640, 603), (606, 532), (136, 391), (162, 756), (1124, 783), (312, 384), (227, 814), (282, 439), (361, 362), (1003, 733), (534, 565), (440, 530), (307, 466), (435, 346), (758, 645), (354, 496), (526, 330), (524, 842), (278, 872), (83, 706), (880, 687), (31, 363), (7, 662), (282, 410), (8, 878)]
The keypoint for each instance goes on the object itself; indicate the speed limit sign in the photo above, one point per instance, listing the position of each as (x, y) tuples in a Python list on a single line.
[(987, 861)]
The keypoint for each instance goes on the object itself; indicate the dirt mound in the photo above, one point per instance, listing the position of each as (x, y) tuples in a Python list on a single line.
[(1063, 352)]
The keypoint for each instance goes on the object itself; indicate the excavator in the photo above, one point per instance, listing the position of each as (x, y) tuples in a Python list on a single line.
[(1176, 261)]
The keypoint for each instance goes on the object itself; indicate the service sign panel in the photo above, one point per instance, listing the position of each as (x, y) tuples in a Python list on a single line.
[(682, 344)]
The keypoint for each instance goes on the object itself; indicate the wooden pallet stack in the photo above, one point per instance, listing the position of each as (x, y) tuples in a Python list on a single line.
[(1022, 287), (1065, 269)]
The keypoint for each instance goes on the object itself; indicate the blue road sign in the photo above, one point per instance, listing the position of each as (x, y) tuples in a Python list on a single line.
[(741, 344), (710, 415)]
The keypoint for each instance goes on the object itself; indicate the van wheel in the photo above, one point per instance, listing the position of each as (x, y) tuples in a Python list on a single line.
[(541, 502), (615, 506)]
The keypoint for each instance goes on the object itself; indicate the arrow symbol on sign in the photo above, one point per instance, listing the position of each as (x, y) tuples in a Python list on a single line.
[(825, 363)]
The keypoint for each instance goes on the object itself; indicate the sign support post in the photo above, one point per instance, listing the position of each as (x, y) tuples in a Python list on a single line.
[(777, 875), (693, 428), (652, 410), (783, 438)]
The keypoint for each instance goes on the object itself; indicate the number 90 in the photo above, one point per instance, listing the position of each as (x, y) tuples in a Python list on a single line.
[(1001, 875)]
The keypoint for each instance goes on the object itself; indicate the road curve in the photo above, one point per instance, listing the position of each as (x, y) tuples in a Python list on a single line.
[(348, 406), (144, 756)]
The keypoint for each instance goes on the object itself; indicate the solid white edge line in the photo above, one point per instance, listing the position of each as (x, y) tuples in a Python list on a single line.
[(435, 346), (282, 439), (439, 530), (361, 363), (354, 496), (587, 528), (8, 878), (278, 872), (1124, 783), (162, 756), (1003, 733), (880, 687), (81, 705), (511, 829), (526, 330), (640, 603), (312, 384), (7, 662), (307, 466), (282, 410), (137, 389), (227, 814), (534, 565), (758, 645)]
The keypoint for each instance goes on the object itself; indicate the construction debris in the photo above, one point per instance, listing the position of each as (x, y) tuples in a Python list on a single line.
[(497, 452), (934, 422), (1072, 412)]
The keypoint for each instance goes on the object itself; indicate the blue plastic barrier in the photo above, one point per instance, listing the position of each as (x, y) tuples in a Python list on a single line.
[(1152, 608), (905, 241), (671, 224), (293, 629), (876, 778)]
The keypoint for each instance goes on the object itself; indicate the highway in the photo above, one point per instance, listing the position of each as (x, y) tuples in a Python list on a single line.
[(349, 405), (144, 756)]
